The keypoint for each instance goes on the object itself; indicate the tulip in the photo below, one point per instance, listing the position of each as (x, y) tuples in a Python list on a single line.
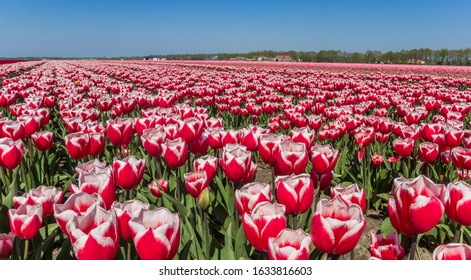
[(323, 158), (77, 205), (235, 162), (190, 129), (97, 143), (322, 181), (295, 192), (156, 184), (290, 244), (152, 140), (429, 129), (386, 248), (428, 152), (50, 101), (268, 147), (208, 164), (119, 131), (46, 196), (196, 182), (416, 207), (175, 152), (377, 159), (250, 195), (452, 251), (292, 158), (143, 124), (95, 235), (14, 130), (78, 145), (171, 132), (457, 202), (350, 195), (98, 181), (336, 227), (250, 139), (26, 221), (303, 135), (30, 123), (403, 147), (128, 172), (200, 145), (89, 165), (249, 176), (124, 212), (453, 137), (11, 152), (156, 234), (6, 244), (43, 140), (461, 157), (230, 136), (215, 137), (266, 220)]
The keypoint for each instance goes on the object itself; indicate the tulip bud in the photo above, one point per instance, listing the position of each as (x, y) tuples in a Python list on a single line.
[(204, 199)]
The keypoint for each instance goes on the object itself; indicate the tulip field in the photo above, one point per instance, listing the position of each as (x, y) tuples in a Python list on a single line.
[(162, 160)]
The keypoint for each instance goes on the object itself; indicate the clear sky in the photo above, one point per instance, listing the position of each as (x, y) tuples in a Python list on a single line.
[(126, 28)]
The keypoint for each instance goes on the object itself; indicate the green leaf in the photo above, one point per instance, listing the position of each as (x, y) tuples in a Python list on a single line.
[(44, 251), (186, 250), (384, 196), (8, 200), (223, 192), (178, 205), (4, 220), (64, 253), (386, 227), (240, 244), (446, 229), (228, 249)]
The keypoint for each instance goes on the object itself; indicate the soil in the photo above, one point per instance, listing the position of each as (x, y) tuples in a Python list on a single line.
[(374, 220)]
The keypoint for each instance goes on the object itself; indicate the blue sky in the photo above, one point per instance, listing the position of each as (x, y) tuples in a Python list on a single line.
[(115, 28)]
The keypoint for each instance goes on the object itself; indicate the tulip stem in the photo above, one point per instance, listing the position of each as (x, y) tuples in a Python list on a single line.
[(25, 256), (333, 257), (295, 221), (157, 164), (46, 227), (458, 233), (28, 183), (236, 213), (413, 247), (206, 235), (316, 199), (128, 256), (46, 167), (177, 189), (273, 189)]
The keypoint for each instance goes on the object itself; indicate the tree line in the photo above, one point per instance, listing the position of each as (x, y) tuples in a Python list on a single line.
[(414, 56)]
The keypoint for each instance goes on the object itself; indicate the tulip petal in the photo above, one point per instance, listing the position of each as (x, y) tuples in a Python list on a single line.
[(425, 213)]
